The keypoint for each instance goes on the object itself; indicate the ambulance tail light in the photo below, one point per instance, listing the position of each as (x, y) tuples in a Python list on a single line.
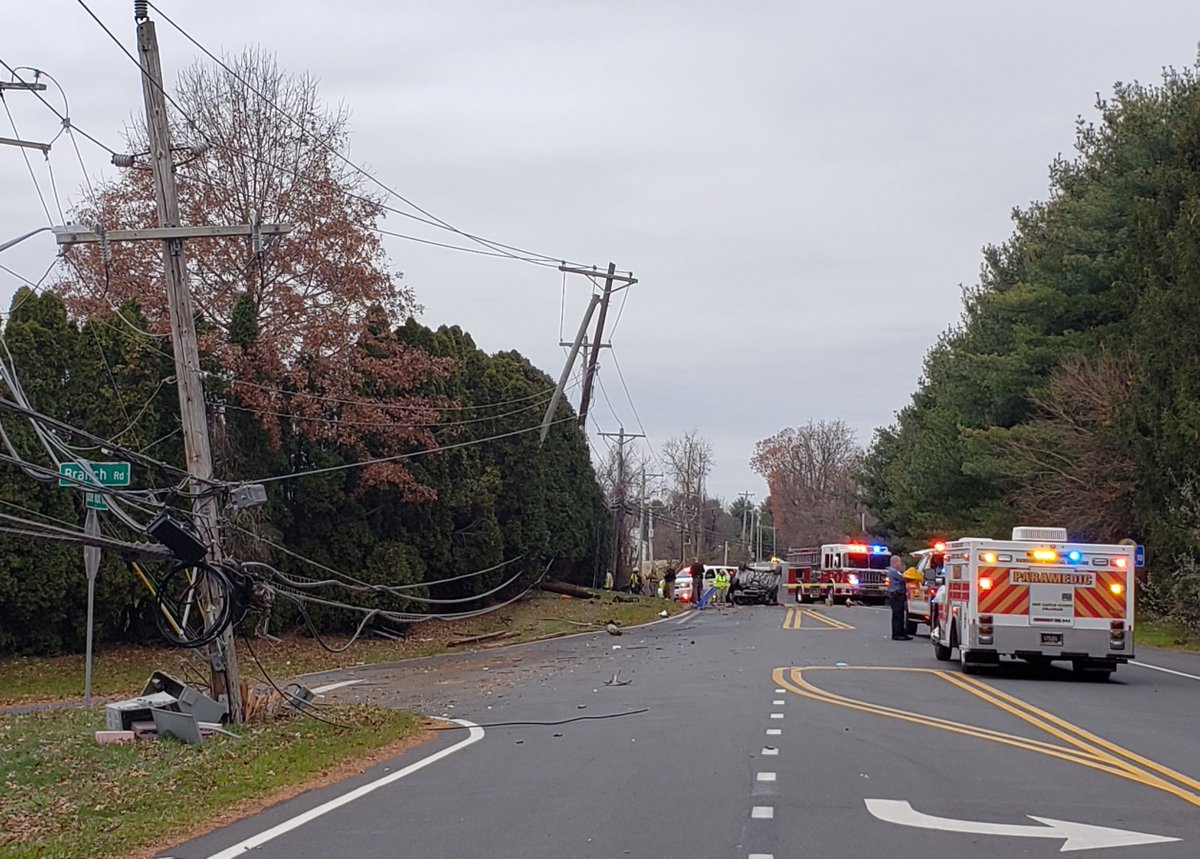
[(985, 583), (985, 629), (1117, 588), (939, 547), (1116, 635), (1120, 562), (989, 557)]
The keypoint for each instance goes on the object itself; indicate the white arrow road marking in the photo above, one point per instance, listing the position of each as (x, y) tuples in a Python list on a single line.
[(1079, 836)]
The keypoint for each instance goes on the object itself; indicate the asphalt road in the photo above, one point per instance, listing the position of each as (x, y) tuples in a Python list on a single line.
[(766, 732)]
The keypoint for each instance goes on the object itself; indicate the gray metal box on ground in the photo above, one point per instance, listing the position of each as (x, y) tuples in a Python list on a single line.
[(120, 715)]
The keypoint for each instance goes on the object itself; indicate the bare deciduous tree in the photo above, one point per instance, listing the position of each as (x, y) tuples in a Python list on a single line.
[(688, 461), (810, 473)]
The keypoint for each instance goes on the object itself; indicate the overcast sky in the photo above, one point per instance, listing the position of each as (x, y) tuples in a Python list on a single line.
[(801, 188)]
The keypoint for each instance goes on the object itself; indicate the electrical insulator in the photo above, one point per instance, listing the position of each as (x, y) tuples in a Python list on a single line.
[(140, 10), (122, 159), (105, 247)]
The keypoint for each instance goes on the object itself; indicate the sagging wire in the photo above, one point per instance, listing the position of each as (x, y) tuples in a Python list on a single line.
[(381, 589), (366, 587)]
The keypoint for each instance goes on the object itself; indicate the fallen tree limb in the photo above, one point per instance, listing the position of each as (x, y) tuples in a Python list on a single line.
[(491, 636), (568, 589)]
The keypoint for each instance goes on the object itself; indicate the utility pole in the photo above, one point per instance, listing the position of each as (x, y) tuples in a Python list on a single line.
[(222, 656), (22, 86), (580, 338), (610, 277), (643, 532), (619, 503), (745, 496)]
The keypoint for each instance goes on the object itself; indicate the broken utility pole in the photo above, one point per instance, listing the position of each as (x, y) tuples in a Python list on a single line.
[(610, 277)]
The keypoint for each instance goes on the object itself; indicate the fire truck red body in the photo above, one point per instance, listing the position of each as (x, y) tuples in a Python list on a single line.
[(837, 571)]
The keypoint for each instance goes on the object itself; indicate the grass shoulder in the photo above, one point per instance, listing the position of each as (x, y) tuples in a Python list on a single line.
[(66, 796), (121, 671), (1168, 634)]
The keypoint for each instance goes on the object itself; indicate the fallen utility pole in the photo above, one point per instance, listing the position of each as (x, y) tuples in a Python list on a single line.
[(580, 338)]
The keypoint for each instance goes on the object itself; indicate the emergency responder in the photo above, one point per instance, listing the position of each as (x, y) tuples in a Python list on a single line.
[(897, 598), (721, 583), (697, 573), (669, 583)]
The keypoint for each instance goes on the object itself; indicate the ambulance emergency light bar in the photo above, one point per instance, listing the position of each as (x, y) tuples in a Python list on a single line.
[(1050, 556)]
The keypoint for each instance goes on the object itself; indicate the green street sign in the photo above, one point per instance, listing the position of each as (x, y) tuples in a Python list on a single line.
[(107, 473), (95, 501)]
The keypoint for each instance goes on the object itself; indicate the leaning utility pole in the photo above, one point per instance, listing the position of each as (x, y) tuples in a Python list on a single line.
[(222, 653), (619, 503), (610, 277)]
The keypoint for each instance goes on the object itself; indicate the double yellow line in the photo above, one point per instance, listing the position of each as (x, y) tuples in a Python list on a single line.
[(794, 619), (1078, 745)]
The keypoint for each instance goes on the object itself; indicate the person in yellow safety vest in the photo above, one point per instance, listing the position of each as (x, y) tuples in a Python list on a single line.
[(721, 583)]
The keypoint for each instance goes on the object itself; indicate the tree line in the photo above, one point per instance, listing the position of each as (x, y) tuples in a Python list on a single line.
[(1068, 393)]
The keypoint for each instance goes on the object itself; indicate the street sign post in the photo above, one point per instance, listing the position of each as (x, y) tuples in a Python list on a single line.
[(91, 566)]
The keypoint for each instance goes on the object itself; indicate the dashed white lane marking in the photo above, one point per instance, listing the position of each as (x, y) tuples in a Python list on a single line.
[(778, 703), (773, 732), (765, 777), (763, 812), (329, 687), (761, 856), (474, 735), (770, 751), (1164, 670), (777, 715), (780, 691)]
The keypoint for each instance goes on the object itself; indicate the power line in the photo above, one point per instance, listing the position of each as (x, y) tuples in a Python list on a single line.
[(28, 165), (497, 247), (402, 456), (62, 117)]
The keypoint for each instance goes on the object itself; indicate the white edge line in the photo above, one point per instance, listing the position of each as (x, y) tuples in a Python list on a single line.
[(1165, 670), (329, 687), (474, 736)]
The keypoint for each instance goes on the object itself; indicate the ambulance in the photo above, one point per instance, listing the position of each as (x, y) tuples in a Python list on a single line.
[(1036, 597)]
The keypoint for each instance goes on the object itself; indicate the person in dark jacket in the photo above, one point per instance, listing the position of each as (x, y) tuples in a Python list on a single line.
[(897, 598), (669, 583), (697, 571)]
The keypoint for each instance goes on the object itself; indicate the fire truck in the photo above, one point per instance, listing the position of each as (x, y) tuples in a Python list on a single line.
[(837, 571), (1036, 597)]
